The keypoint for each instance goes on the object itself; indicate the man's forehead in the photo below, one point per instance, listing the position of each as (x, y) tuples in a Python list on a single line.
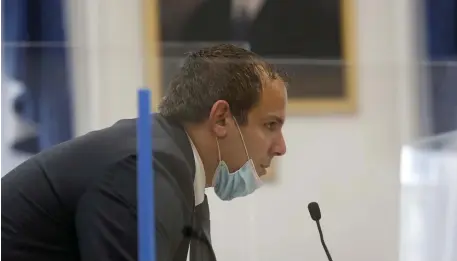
[(273, 100)]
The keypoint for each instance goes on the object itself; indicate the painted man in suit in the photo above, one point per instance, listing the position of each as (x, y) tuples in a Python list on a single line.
[(219, 125)]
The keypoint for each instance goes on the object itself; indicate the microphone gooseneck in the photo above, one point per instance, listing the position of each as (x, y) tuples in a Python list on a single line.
[(315, 213)]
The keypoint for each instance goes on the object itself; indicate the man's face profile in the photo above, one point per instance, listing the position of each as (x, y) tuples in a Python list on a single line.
[(263, 131)]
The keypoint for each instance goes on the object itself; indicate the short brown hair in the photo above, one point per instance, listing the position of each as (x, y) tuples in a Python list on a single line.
[(222, 72)]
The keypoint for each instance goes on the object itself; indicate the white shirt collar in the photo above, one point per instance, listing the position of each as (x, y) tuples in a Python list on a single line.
[(200, 177)]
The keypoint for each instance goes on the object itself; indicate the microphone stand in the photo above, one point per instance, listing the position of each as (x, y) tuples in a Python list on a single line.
[(321, 235)]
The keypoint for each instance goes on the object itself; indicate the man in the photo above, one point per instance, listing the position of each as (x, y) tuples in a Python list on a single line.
[(219, 125)]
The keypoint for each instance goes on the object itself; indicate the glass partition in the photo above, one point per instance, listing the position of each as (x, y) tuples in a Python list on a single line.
[(429, 200)]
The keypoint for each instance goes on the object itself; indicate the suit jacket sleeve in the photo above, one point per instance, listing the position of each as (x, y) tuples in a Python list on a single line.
[(106, 219)]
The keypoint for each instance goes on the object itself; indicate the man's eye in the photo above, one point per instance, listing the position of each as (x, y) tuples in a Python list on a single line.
[(271, 125)]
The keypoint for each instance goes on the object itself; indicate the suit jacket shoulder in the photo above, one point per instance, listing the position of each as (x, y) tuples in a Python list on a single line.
[(71, 167), (96, 170)]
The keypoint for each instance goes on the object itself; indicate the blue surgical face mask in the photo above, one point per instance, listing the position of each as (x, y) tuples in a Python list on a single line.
[(240, 183)]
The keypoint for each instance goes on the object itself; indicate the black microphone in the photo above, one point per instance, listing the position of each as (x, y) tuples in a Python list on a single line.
[(315, 213)]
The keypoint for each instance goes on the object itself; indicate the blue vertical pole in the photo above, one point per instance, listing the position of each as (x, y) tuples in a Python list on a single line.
[(145, 180)]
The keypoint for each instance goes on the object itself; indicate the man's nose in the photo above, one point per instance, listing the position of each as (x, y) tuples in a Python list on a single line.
[(280, 146)]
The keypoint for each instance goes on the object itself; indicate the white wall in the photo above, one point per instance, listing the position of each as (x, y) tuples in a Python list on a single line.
[(349, 164), (107, 58)]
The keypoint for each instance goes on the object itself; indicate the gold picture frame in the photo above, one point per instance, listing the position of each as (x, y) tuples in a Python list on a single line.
[(346, 104)]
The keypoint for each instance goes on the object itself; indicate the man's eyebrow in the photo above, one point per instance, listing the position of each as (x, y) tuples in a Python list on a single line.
[(276, 118)]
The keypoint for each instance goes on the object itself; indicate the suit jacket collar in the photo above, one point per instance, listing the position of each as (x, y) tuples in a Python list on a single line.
[(171, 141)]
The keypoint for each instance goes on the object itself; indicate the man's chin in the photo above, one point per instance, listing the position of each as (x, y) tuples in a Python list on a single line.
[(262, 172)]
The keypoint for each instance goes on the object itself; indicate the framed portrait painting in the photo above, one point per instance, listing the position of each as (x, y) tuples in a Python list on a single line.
[(312, 42)]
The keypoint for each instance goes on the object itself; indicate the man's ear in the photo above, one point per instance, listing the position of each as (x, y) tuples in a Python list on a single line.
[(219, 114)]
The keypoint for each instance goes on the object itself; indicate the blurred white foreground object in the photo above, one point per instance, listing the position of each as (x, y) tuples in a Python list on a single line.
[(428, 225)]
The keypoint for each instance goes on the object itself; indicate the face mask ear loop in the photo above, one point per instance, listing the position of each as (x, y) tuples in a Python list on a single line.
[(242, 139), (218, 150), (219, 153), (258, 180)]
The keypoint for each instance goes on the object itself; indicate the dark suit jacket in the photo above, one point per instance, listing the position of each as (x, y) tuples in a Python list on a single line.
[(78, 201)]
